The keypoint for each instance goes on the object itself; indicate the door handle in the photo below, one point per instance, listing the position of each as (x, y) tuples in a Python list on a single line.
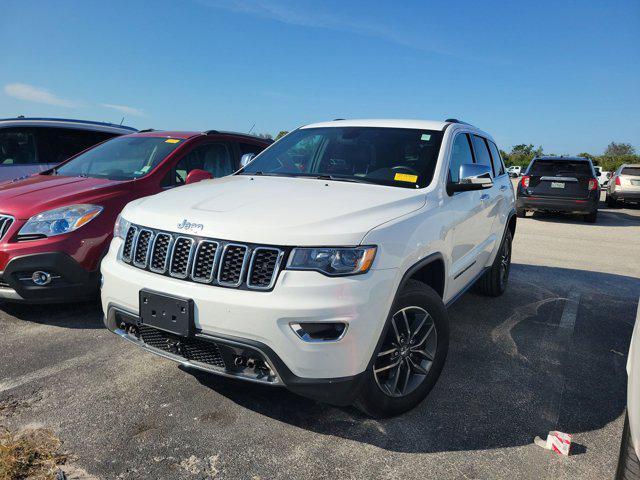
[(503, 188), (484, 196)]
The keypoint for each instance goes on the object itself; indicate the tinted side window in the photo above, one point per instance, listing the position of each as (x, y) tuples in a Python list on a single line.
[(483, 157), (17, 147), (64, 143), (498, 164), (212, 157), (460, 155), (250, 148)]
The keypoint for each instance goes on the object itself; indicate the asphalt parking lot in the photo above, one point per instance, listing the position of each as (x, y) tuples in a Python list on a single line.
[(549, 354)]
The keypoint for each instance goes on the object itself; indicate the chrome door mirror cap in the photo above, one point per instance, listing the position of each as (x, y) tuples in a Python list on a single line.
[(472, 176)]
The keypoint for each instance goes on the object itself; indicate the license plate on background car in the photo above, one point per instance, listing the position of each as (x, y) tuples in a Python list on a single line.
[(557, 184), (635, 182), (165, 312)]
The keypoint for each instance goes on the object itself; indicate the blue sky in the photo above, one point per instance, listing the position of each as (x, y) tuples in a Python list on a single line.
[(565, 75)]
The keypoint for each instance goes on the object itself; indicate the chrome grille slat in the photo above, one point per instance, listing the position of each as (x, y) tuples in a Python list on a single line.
[(233, 264), (181, 256), (5, 224), (142, 248), (264, 267), (203, 260), (160, 249), (129, 241)]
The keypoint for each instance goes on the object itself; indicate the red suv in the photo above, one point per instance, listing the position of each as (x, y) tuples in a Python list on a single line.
[(55, 226)]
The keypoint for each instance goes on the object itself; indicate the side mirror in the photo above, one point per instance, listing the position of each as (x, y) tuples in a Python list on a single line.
[(197, 175), (472, 177), (245, 159)]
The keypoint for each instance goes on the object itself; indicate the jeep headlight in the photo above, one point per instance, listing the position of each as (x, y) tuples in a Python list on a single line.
[(121, 227), (333, 261), (60, 220)]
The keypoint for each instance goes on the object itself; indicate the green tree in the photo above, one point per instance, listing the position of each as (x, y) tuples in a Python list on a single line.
[(281, 134), (619, 149)]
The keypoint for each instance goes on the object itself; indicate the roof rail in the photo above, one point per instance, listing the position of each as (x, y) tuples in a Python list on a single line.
[(238, 134), (70, 120), (455, 120), (338, 119), (147, 130)]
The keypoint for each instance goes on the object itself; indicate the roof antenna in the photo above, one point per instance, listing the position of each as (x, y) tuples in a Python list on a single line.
[(122, 121), (252, 127)]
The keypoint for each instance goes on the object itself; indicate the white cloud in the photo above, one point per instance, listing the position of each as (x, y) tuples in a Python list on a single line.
[(125, 109), (310, 16), (22, 91)]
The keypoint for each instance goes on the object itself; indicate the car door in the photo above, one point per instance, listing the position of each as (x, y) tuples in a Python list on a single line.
[(503, 188), (469, 232), (18, 153)]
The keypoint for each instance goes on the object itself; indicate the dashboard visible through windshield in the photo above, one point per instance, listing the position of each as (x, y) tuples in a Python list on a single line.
[(122, 158), (397, 157)]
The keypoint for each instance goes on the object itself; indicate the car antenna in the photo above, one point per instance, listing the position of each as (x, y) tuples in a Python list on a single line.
[(122, 121), (252, 127)]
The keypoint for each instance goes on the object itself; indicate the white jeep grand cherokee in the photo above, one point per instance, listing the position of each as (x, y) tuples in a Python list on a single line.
[(325, 265)]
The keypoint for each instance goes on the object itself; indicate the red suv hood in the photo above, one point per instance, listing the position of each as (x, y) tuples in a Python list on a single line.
[(38, 193)]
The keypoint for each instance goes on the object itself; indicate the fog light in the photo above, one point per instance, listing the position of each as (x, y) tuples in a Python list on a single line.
[(41, 278), (319, 331)]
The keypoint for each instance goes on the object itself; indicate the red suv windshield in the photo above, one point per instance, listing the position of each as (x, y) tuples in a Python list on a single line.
[(122, 158)]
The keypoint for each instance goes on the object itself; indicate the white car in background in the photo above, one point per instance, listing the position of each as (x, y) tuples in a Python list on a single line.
[(602, 176), (628, 463), (514, 170)]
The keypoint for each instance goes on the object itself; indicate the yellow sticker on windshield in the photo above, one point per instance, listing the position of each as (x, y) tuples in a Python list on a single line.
[(171, 140), (405, 177)]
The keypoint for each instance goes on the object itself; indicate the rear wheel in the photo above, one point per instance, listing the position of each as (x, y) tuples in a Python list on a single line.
[(628, 464), (521, 212), (611, 202), (591, 217), (411, 355), (494, 282)]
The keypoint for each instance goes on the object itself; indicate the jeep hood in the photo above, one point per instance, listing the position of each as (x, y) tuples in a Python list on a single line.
[(276, 210)]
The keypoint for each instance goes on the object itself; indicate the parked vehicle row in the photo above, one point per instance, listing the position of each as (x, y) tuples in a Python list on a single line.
[(624, 186)]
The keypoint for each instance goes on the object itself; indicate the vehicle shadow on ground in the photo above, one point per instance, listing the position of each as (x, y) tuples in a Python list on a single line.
[(511, 374), (606, 218), (82, 315)]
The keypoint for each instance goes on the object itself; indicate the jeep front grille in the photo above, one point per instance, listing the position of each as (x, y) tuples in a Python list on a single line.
[(202, 260), (5, 224)]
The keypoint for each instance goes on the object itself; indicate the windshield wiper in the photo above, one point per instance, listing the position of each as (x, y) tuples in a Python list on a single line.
[(338, 179)]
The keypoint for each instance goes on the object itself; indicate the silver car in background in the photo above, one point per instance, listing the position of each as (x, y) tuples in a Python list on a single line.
[(33, 145), (624, 185)]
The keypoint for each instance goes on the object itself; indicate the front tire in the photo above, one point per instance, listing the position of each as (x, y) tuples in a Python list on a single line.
[(494, 282), (410, 357), (628, 463)]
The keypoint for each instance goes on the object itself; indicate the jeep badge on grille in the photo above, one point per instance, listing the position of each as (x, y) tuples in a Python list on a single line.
[(190, 227)]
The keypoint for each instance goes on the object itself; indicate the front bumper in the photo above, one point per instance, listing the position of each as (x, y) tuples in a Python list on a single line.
[(69, 280), (362, 302), (557, 204)]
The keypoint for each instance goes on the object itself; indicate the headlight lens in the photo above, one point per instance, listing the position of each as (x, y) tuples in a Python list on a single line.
[(60, 220), (333, 261), (121, 227)]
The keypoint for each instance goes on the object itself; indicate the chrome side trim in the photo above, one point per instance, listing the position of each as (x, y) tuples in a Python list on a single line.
[(276, 269), (245, 259), (189, 258), (216, 259), (559, 179)]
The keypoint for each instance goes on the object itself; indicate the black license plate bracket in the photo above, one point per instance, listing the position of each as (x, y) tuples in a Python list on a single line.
[(167, 312)]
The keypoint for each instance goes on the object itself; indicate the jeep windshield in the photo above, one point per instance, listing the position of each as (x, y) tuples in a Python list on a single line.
[(122, 158), (397, 157)]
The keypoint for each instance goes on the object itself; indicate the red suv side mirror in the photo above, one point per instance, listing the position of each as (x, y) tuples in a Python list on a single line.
[(197, 175)]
